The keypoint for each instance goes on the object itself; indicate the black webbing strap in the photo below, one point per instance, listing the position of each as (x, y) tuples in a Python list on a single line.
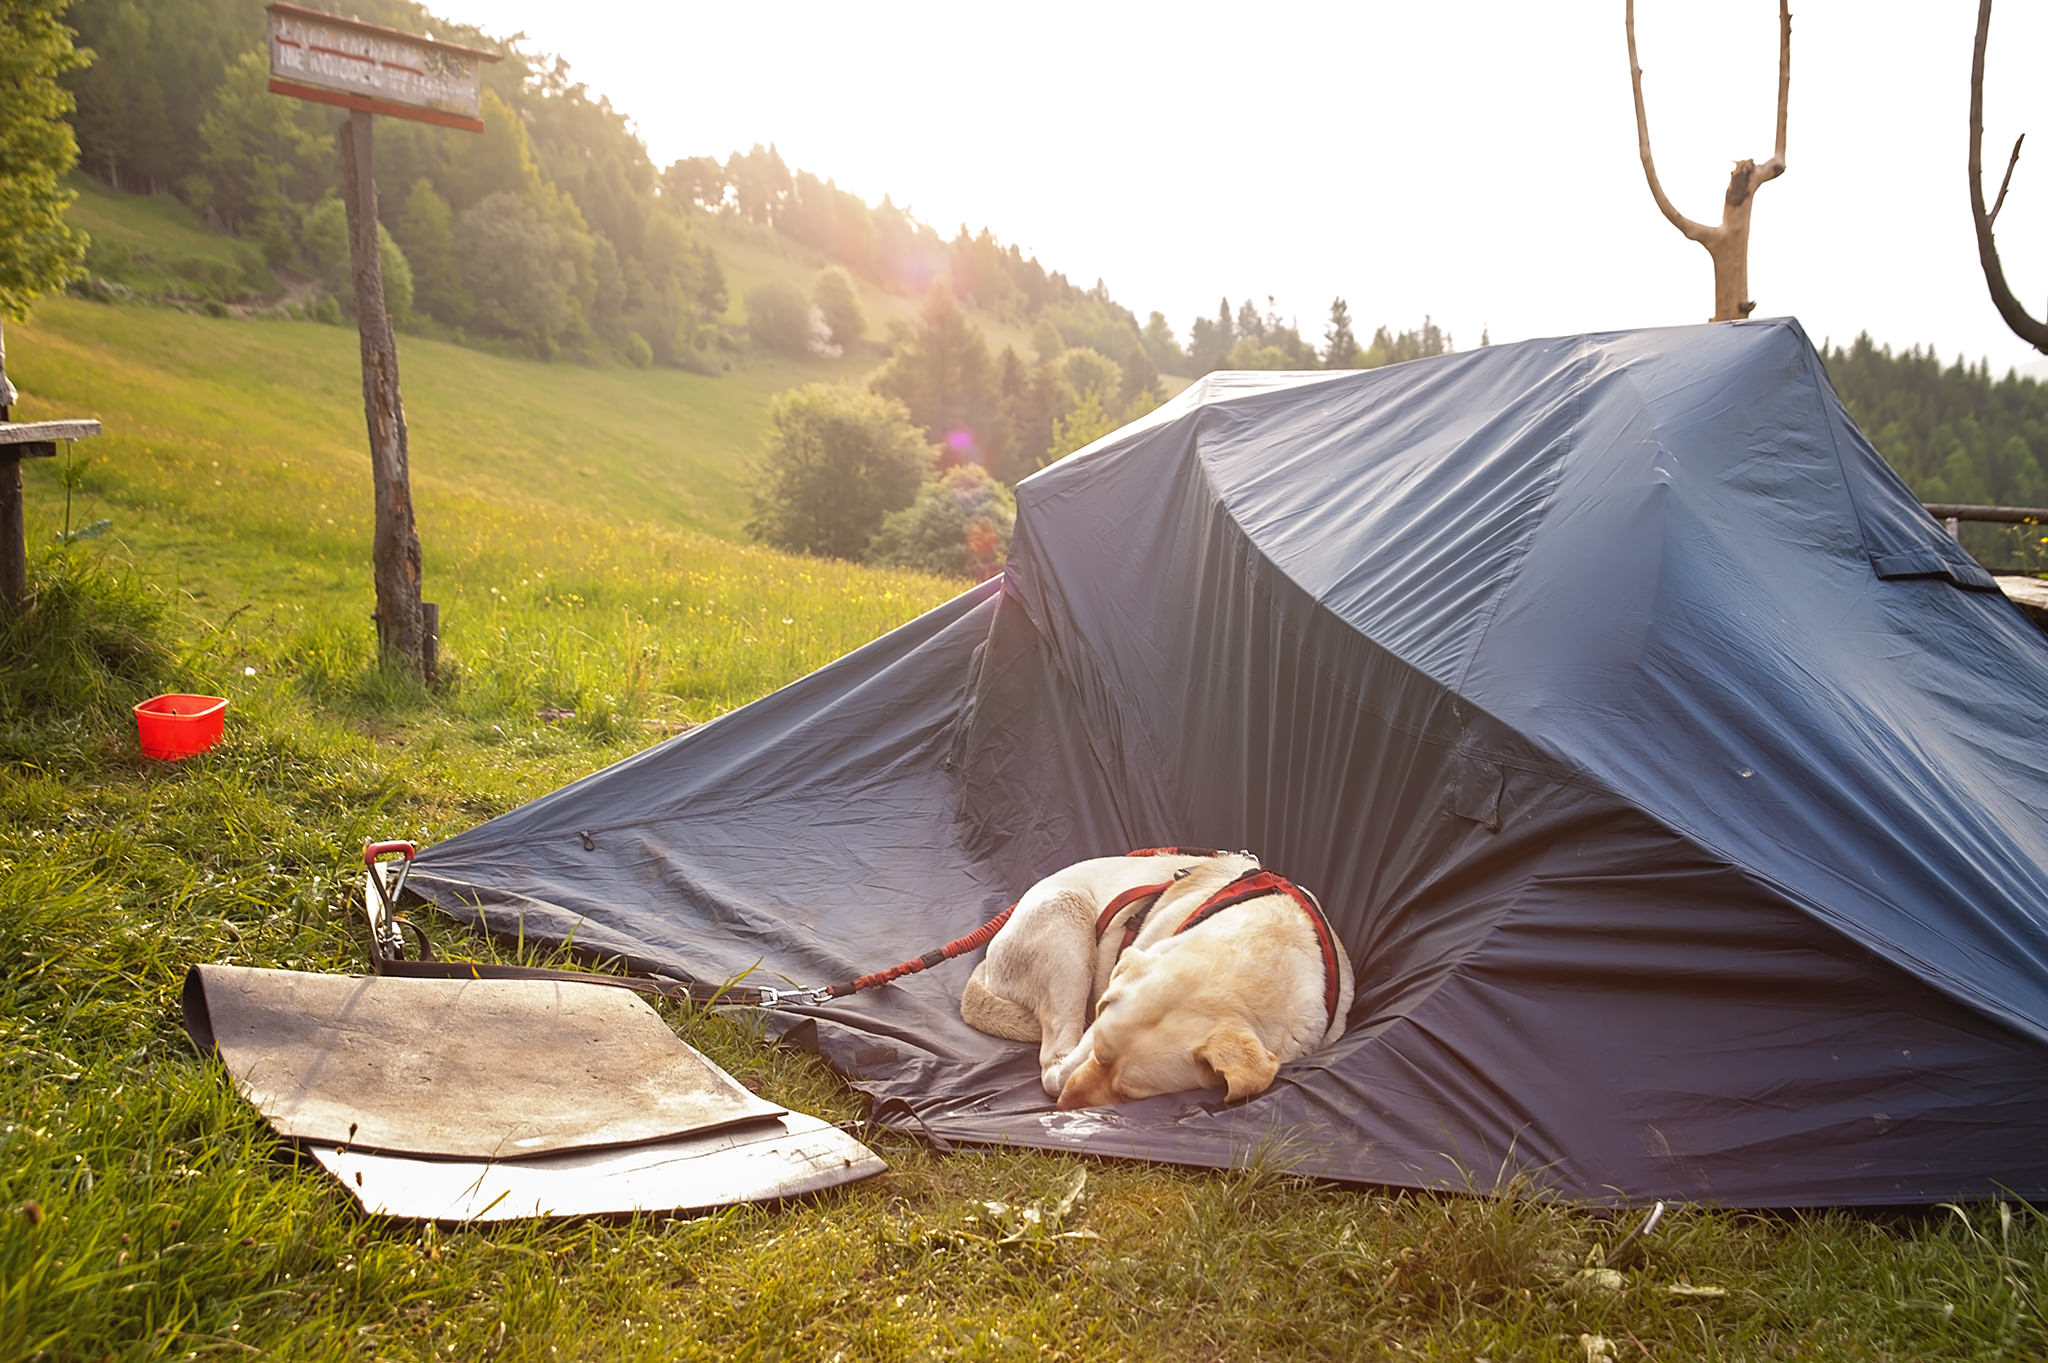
[(427, 967), (387, 950)]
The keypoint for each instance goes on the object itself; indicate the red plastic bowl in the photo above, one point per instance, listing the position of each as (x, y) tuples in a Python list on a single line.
[(175, 726)]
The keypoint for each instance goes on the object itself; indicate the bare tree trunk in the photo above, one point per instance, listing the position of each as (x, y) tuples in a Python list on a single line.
[(1727, 245), (2023, 326), (395, 553)]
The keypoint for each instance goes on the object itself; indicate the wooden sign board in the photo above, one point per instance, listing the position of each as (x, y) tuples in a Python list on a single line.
[(377, 70)]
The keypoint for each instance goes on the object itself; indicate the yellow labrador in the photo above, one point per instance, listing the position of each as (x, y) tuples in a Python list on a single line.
[(1200, 970)]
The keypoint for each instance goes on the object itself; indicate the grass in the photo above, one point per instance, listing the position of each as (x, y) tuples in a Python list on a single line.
[(145, 1213)]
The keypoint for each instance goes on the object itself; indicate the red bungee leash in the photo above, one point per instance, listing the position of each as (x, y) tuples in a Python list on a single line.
[(960, 946)]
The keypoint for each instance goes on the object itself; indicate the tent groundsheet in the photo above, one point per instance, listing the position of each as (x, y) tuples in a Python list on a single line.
[(1675, 782)]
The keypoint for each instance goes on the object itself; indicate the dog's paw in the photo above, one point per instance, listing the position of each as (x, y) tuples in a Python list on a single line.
[(1061, 1068)]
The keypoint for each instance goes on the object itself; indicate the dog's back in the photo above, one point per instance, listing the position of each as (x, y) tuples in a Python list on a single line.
[(1044, 971), (1202, 998)]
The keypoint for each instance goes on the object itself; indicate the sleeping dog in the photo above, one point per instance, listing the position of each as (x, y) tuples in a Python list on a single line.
[(1199, 970)]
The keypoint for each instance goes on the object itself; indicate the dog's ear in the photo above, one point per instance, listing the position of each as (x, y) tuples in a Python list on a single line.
[(1242, 1059)]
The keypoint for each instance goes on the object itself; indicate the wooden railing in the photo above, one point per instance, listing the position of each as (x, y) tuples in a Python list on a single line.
[(2004, 515)]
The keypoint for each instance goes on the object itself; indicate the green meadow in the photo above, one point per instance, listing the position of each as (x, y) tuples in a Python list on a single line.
[(581, 533)]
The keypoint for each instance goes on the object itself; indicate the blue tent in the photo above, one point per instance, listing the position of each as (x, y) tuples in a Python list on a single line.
[(1676, 783)]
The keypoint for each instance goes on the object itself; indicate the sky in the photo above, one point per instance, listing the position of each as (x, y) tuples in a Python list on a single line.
[(1474, 161)]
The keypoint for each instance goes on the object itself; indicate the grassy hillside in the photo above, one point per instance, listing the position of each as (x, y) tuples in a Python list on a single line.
[(159, 225), (233, 471)]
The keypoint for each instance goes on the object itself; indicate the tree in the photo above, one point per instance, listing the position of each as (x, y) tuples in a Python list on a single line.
[(257, 159), (942, 374), (1387, 348), (2024, 326), (1210, 342), (518, 269), (1340, 347), (1922, 414), (1250, 326), (1251, 353), (425, 231), (1084, 424), (673, 292), (117, 87), (38, 249), (1087, 372), (779, 317), (1046, 341), (833, 295), (838, 460), (960, 525), (499, 162), (698, 180), (760, 183), (1160, 346), (323, 242), (1032, 399), (1728, 243)]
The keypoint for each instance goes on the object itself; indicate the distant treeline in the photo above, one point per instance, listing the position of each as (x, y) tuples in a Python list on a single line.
[(1952, 432), (553, 229)]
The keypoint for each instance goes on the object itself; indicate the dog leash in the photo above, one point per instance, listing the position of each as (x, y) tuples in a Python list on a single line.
[(388, 945), (960, 946)]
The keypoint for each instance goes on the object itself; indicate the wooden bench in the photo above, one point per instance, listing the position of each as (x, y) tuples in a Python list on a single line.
[(21, 440)]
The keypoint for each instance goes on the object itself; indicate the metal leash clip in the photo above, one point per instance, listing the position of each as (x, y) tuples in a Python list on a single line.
[(783, 998)]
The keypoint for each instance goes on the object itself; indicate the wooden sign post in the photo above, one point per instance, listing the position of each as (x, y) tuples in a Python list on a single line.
[(368, 69)]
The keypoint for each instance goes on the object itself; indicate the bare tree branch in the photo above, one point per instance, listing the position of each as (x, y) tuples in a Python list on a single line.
[(2034, 333), (1773, 168), (1728, 243), (2006, 183), (1698, 232)]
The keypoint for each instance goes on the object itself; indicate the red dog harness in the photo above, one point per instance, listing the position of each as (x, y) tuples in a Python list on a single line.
[(1256, 883), (1138, 892)]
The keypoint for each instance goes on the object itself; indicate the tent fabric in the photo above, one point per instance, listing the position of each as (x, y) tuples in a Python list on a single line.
[(1674, 781)]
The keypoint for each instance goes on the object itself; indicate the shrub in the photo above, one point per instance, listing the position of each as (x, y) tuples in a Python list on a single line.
[(834, 297), (959, 526), (324, 240), (838, 460), (779, 317)]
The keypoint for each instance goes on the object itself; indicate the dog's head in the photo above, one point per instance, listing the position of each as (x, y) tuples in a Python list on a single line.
[(1156, 1032)]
